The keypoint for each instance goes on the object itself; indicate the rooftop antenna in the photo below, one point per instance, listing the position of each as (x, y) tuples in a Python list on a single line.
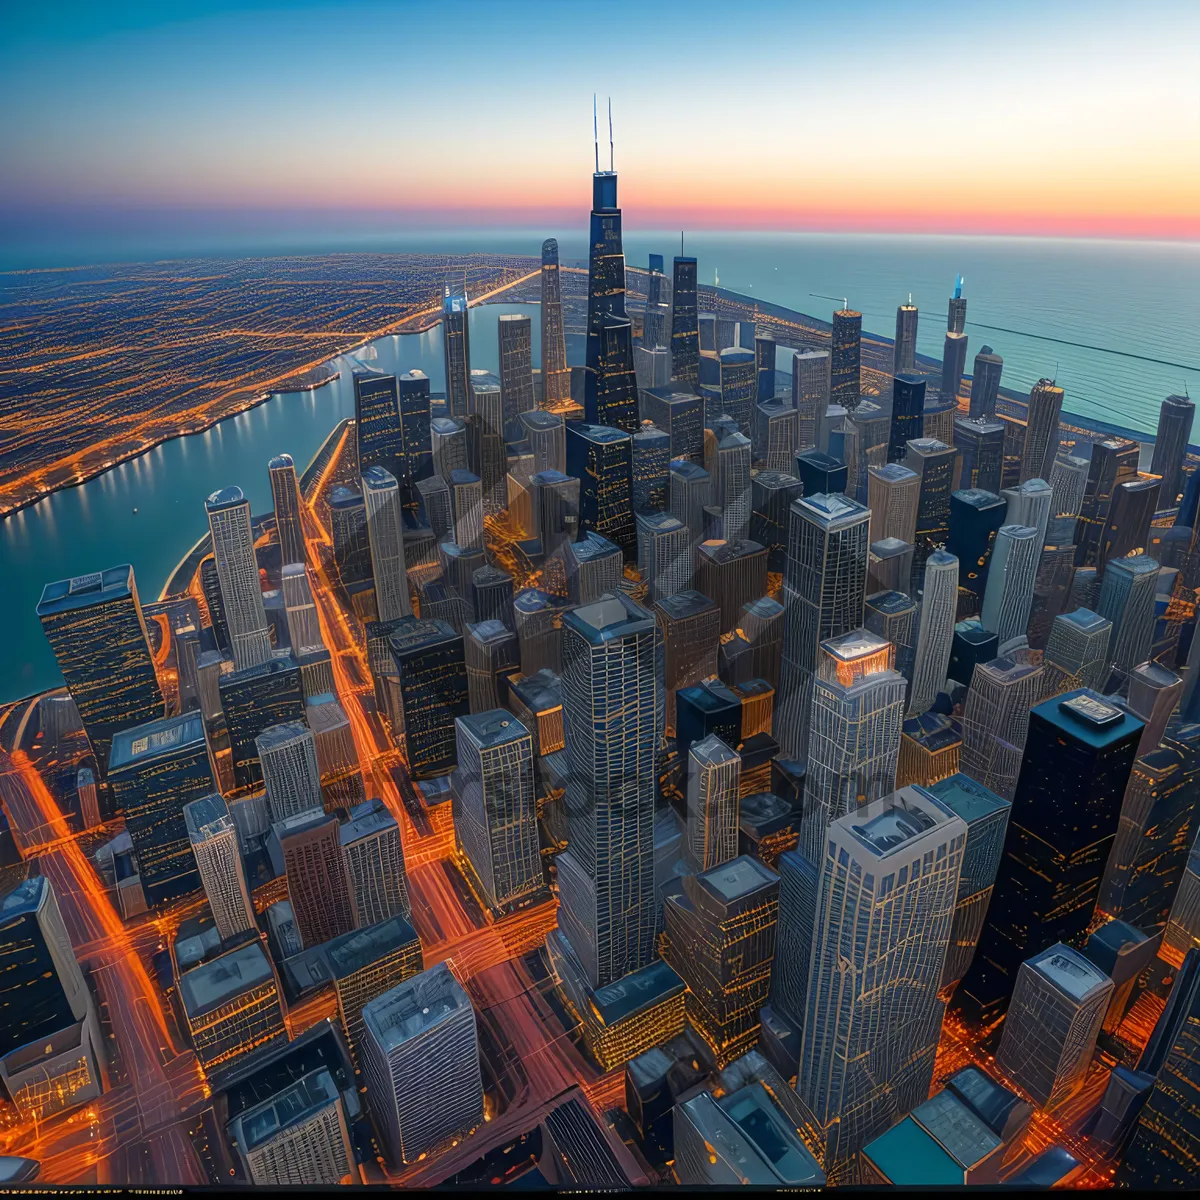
[(958, 286), (681, 249), (910, 299), (596, 133), (610, 137)]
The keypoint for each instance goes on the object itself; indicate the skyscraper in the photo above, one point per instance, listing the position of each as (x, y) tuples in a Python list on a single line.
[(933, 461), (1078, 645), (711, 836), (775, 434), (377, 432), (1068, 481), (1057, 1009), (823, 590), (374, 860), (1127, 600), (285, 492), (811, 372), (893, 492), (304, 626), (739, 387), (844, 383), (385, 529), (680, 414), (156, 769), (904, 348), (857, 711), (416, 437), (1041, 434), (690, 626), (491, 650), (996, 721), (1130, 513), (291, 775), (651, 468), (1113, 461), (980, 440), (448, 441), (318, 890), (456, 347), (495, 815), (664, 554), (253, 700), (985, 383), (337, 757), (935, 636), (95, 627), (215, 843), (975, 517), (685, 336), (821, 473), (613, 708), (601, 458), (908, 415), (1170, 446), (516, 364), (556, 374), (1008, 596), (954, 361), (348, 526), (233, 550), (873, 1015), (1066, 809)]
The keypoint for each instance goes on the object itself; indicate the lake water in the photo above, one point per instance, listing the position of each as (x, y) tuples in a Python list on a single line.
[(1115, 321)]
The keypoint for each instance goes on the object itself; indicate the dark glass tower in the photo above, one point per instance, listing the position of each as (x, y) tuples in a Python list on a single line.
[(685, 323), (975, 516), (601, 458), (456, 345), (844, 382), (908, 415), (432, 671), (95, 627), (1170, 446), (285, 492), (377, 422), (1066, 808), (556, 375), (417, 461), (253, 700)]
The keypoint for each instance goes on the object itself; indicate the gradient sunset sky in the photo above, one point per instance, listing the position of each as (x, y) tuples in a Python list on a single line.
[(1057, 118)]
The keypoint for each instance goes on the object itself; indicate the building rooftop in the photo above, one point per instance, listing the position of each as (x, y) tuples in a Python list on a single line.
[(859, 643), (378, 479), (1085, 620), (711, 751), (990, 1101), (686, 469), (891, 603), (933, 731), (721, 552), (25, 897), (155, 740), (889, 547), (278, 664), (224, 498), (414, 1007), (764, 813), (366, 820), (957, 1129), (323, 713), (283, 734), (661, 522), (613, 616), (894, 473), (497, 727), (685, 604), (737, 878), (289, 1107), (907, 1156), (539, 692), (488, 632), (1069, 971), (892, 822), (828, 507), (206, 816), (966, 798), (710, 696), (352, 951), (603, 435), (592, 547), (637, 991), (99, 587), (414, 634), (1089, 717), (532, 600), (211, 984)]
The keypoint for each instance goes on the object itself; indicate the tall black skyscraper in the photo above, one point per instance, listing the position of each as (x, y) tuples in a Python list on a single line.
[(417, 461), (377, 422), (844, 381), (685, 323), (456, 345), (908, 415), (1170, 446)]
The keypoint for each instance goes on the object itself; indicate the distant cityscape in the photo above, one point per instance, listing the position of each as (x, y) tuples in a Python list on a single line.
[(652, 769)]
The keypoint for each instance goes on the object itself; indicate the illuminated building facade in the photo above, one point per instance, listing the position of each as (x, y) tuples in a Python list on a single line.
[(385, 531), (691, 492), (491, 651), (337, 756), (844, 383), (981, 443), (933, 461), (285, 492), (351, 543), (1127, 600), (904, 348), (651, 468), (892, 495), (908, 416), (318, 889), (1175, 418), (664, 554), (711, 836), (516, 364), (456, 348), (377, 431), (216, 846), (601, 458), (679, 414), (556, 374), (374, 859), (95, 627), (1113, 461), (1078, 645), (930, 750), (1041, 432), (810, 393), (690, 624), (1008, 596), (935, 638), (995, 721), (287, 755)]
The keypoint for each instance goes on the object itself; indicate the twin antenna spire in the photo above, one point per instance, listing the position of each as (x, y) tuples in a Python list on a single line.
[(596, 134)]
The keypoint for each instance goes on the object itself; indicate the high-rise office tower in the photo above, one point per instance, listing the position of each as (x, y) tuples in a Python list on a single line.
[(456, 347), (351, 544), (215, 843), (764, 364), (1170, 446), (975, 517), (1057, 1009), (1113, 461), (986, 817), (956, 316), (304, 626), (594, 566), (941, 415), (556, 516), (516, 364), (685, 336), (904, 348), (337, 757), (720, 938), (870, 1032), (980, 440), (538, 618), (154, 770), (51, 1052), (821, 473), (486, 454), (771, 496), (231, 1005), (1127, 527), (291, 775), (972, 645), (233, 550), (466, 503), (547, 436), (775, 434), (893, 617), (253, 700), (1078, 645), (299, 1135), (556, 374), (1066, 809), (1041, 433), (285, 492), (711, 835), (935, 637), (889, 566), (420, 1057), (844, 383), (491, 650), (491, 595), (823, 590), (374, 860), (1008, 596), (680, 414), (690, 623), (1127, 600), (739, 387), (378, 436), (954, 361), (601, 458), (414, 403), (95, 627), (318, 890), (385, 529), (1153, 694), (996, 721), (651, 468), (985, 383), (908, 415), (754, 650), (857, 711), (439, 508), (892, 495), (1068, 481), (495, 814), (448, 439), (734, 574), (732, 485), (613, 710), (811, 372), (664, 554), (432, 677), (933, 461), (210, 585), (1030, 503)]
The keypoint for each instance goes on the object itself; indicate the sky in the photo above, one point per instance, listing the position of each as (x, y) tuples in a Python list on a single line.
[(1056, 117)]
